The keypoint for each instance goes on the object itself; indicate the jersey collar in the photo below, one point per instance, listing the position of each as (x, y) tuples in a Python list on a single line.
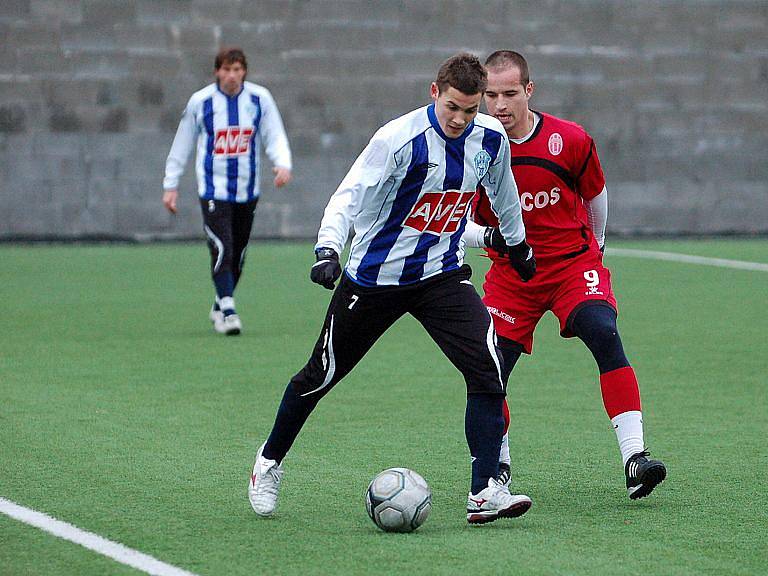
[(436, 126), (537, 120), (227, 95)]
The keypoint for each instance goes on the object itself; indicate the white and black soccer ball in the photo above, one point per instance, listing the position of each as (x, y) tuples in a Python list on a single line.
[(398, 500)]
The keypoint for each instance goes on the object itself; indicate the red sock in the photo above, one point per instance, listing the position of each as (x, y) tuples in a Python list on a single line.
[(506, 416), (620, 391)]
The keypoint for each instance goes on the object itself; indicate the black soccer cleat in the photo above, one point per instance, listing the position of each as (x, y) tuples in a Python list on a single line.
[(505, 474), (643, 475)]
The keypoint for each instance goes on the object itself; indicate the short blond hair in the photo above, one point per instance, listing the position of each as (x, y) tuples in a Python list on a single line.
[(507, 59)]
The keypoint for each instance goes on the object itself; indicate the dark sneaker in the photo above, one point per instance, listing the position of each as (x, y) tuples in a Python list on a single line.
[(643, 475), (505, 474)]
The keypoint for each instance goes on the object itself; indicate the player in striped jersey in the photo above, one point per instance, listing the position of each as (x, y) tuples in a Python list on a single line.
[(227, 120), (407, 197), (565, 207)]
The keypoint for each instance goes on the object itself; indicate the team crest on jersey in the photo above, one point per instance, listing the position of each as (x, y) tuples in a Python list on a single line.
[(482, 163), (232, 141), (439, 212), (555, 144)]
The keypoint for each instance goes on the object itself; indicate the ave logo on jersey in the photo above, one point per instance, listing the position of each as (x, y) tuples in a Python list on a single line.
[(439, 212), (555, 144), (482, 163), (232, 141)]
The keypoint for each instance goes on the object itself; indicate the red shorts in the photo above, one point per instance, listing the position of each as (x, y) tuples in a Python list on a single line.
[(561, 286)]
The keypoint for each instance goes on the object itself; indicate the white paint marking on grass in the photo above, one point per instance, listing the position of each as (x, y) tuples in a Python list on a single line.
[(89, 540), (687, 258)]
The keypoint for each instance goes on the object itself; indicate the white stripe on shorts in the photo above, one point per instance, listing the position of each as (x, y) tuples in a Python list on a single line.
[(331, 362), (219, 248)]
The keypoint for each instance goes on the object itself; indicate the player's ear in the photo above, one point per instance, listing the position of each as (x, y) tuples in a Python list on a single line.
[(529, 89), (434, 91)]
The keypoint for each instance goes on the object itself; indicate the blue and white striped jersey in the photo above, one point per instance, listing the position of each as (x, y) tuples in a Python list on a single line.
[(226, 129), (407, 197)]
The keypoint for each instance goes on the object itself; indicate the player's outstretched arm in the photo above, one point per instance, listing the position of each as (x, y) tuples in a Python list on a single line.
[(327, 268), (366, 174)]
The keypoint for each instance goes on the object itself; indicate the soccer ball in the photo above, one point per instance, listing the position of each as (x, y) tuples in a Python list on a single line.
[(398, 500)]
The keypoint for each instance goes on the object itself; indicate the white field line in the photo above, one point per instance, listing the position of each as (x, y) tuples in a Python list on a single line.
[(117, 552), (687, 258)]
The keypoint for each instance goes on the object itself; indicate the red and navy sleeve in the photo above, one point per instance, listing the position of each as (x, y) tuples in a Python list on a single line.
[(590, 179)]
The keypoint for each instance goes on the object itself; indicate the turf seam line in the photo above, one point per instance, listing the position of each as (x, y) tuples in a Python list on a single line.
[(94, 542), (688, 258)]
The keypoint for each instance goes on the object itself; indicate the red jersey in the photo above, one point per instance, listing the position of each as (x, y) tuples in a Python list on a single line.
[(556, 170)]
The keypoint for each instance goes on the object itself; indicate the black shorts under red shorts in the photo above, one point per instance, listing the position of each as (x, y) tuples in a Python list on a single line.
[(560, 285)]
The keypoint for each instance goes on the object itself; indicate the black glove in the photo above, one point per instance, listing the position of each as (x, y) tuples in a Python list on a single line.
[(520, 255), (493, 239), (327, 268), (522, 259)]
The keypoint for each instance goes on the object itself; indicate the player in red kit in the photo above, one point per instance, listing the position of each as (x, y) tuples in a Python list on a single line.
[(564, 201)]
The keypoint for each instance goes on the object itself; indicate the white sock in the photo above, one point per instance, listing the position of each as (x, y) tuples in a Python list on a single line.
[(227, 303), (504, 454), (629, 433)]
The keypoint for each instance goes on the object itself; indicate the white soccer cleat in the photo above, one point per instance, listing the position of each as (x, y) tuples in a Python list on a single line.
[(264, 485), (229, 325), (495, 502), (216, 317)]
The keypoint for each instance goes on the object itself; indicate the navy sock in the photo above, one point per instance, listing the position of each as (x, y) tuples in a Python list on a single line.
[(484, 427), (291, 416), (225, 284)]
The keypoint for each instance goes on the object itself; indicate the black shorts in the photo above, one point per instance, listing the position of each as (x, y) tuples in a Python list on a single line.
[(227, 227), (448, 307)]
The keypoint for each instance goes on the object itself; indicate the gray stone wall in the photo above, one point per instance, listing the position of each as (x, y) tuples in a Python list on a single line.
[(675, 93)]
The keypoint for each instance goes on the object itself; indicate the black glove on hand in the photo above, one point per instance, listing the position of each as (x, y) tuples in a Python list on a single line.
[(520, 255), (493, 239), (522, 259), (327, 268)]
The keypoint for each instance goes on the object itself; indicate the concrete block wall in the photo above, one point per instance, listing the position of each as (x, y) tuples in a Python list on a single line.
[(675, 93)]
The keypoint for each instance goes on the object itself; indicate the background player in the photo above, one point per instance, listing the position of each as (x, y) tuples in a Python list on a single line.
[(565, 207), (407, 197), (226, 119)]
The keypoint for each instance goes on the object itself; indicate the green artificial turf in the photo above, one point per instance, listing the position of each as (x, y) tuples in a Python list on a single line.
[(121, 412)]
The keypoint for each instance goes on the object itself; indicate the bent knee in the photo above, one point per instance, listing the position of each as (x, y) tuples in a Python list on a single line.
[(596, 327), (602, 335)]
